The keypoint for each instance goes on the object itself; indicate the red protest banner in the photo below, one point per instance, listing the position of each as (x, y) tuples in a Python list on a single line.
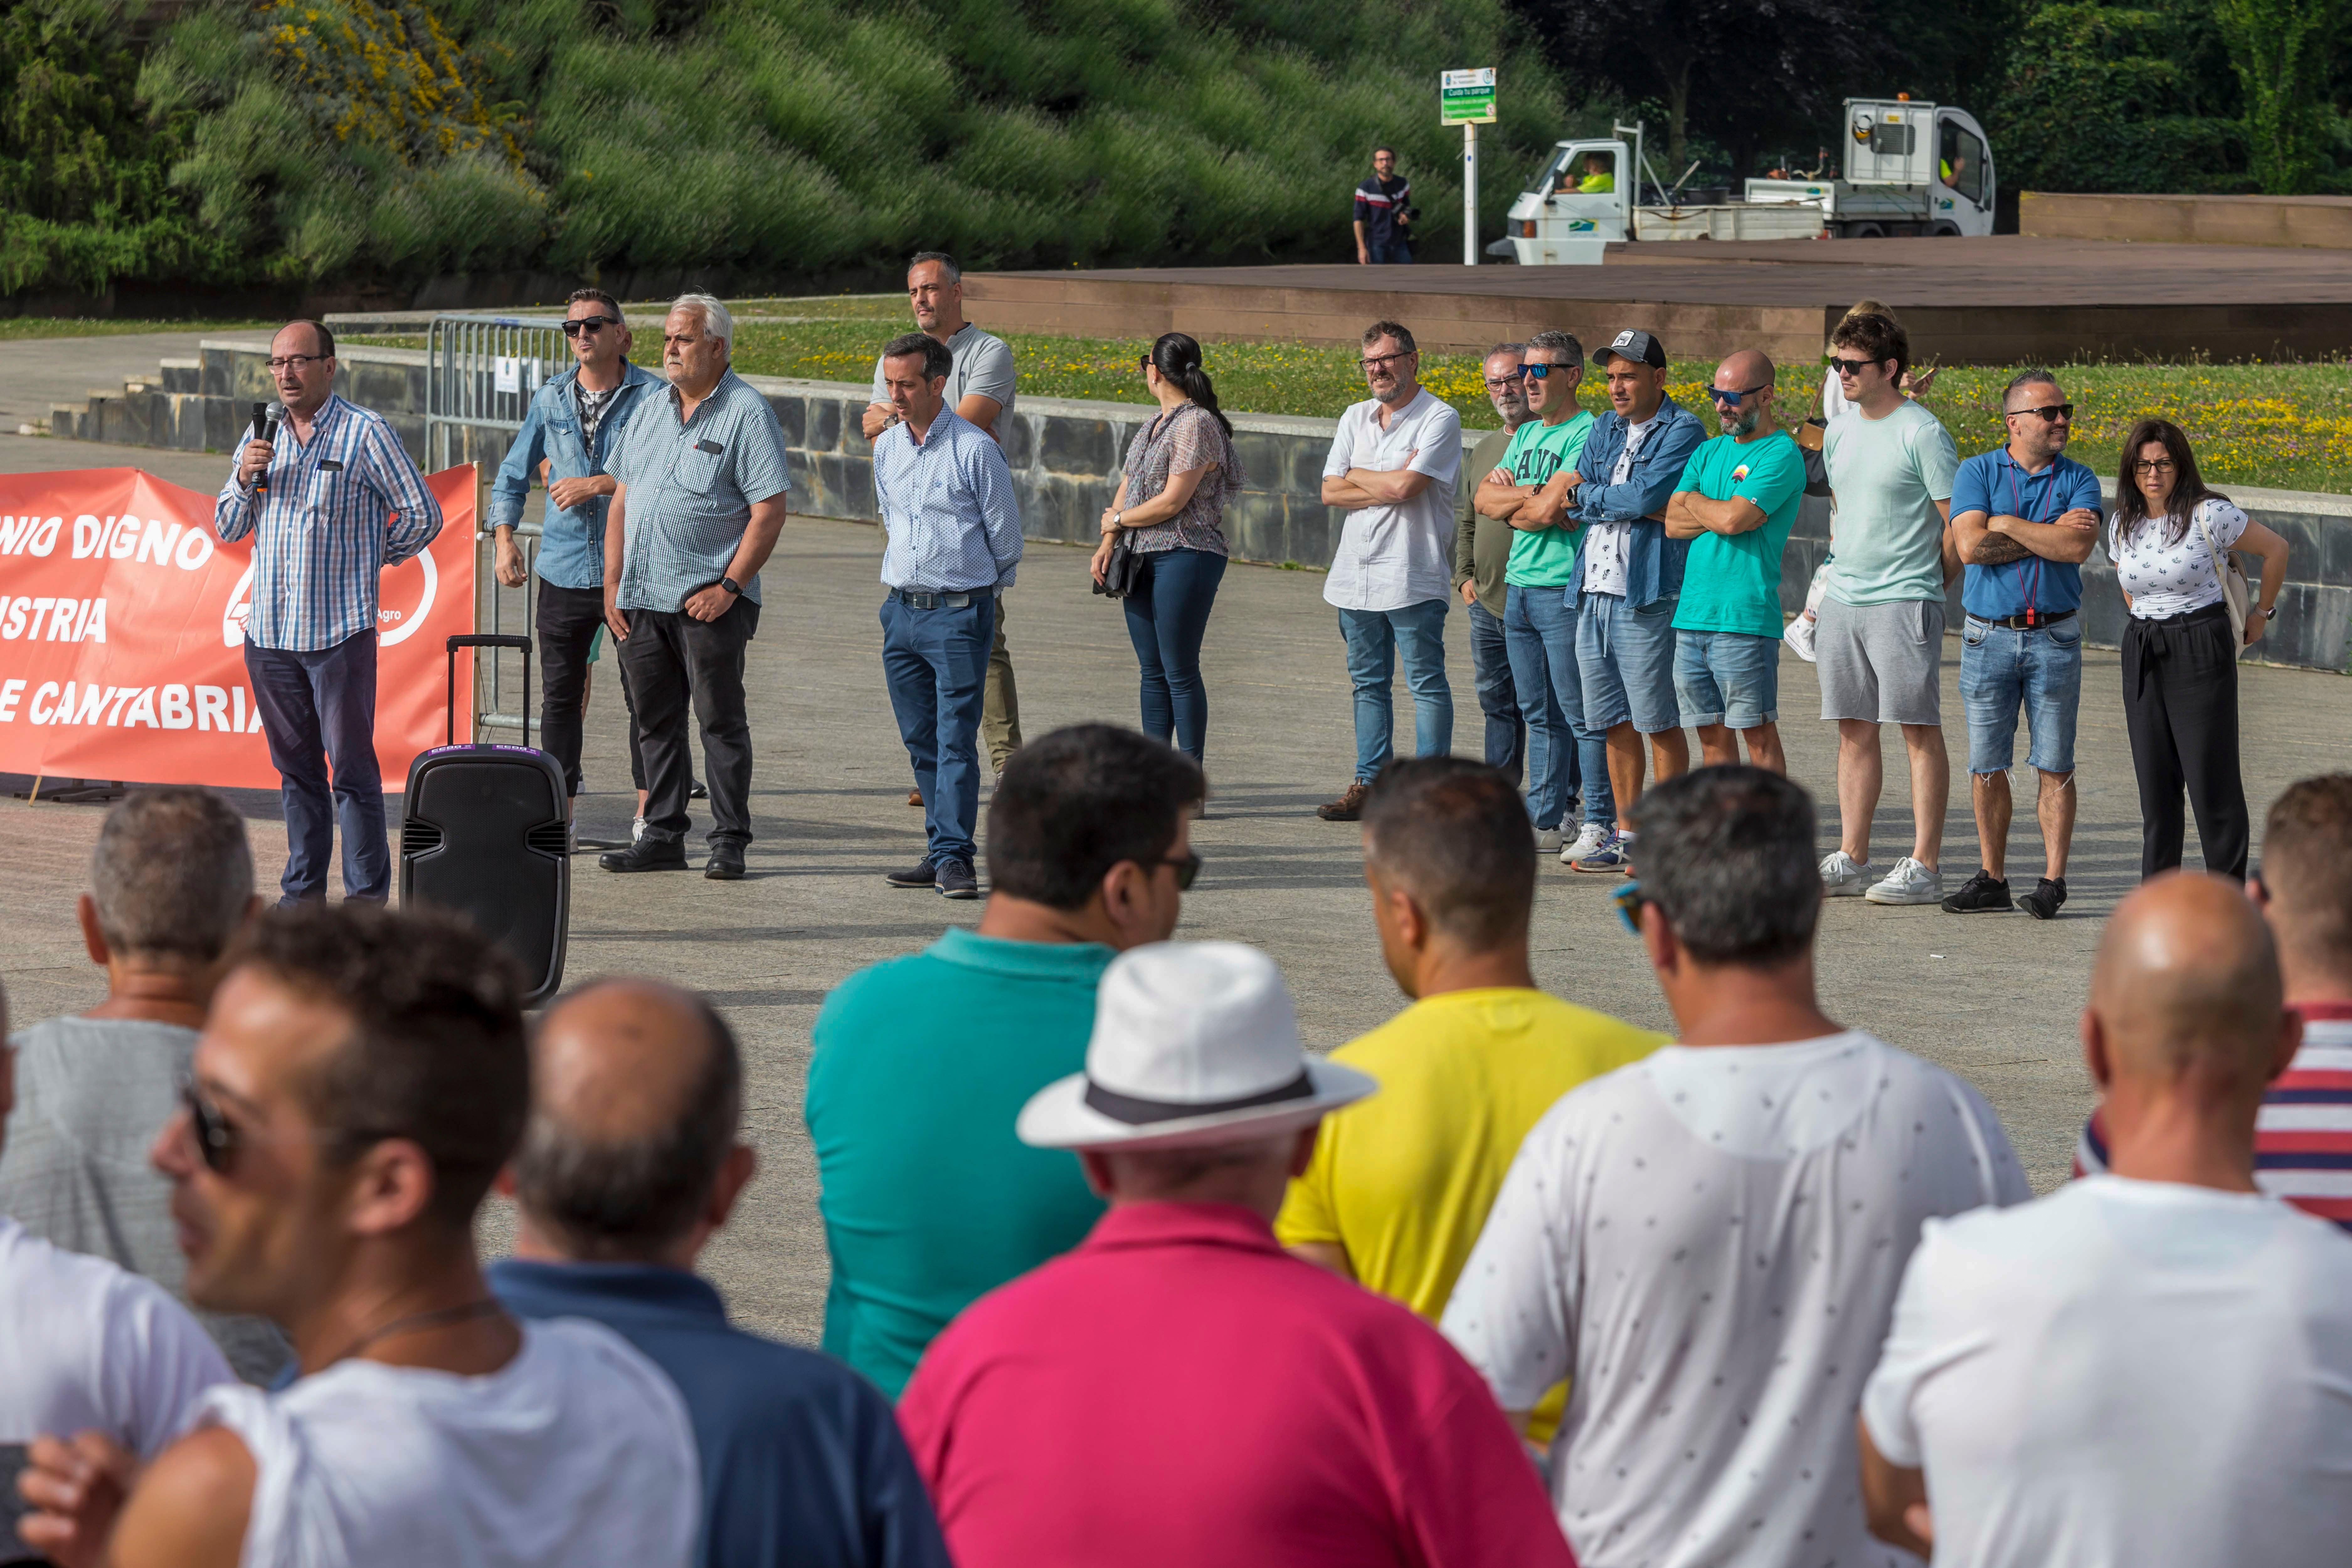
[(122, 633)]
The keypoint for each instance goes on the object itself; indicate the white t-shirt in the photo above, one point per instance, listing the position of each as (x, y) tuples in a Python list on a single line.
[(1608, 546), (1393, 556), (1706, 1244), (576, 1452), (86, 1346), (2127, 1374), (2168, 580)]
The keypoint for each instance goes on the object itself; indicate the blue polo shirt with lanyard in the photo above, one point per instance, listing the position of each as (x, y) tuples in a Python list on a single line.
[(1993, 483)]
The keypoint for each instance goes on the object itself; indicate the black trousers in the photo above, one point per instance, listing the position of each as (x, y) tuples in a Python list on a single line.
[(568, 620), (2180, 706), (671, 660)]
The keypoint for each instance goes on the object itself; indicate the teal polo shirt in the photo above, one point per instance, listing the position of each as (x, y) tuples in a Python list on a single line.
[(917, 1072)]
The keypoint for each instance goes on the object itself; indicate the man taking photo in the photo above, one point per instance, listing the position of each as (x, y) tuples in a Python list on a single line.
[(2024, 518), (1383, 214)]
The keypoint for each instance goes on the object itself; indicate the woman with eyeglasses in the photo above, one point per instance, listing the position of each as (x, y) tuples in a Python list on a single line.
[(2171, 539), (1180, 470)]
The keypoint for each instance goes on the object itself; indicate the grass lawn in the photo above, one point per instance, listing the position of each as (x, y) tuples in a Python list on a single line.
[(2288, 426), (18, 327)]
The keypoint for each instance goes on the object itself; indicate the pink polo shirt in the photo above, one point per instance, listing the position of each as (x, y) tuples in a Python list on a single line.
[(1180, 1391)]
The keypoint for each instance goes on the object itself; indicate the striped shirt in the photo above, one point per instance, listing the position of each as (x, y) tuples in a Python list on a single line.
[(690, 484), (2303, 1134), (947, 505), (340, 508)]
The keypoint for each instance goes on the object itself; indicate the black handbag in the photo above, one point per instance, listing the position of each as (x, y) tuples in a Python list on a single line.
[(1126, 564)]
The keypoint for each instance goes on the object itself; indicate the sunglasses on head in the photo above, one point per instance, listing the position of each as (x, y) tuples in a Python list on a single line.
[(2050, 412), (1629, 900), (1724, 399), (588, 324)]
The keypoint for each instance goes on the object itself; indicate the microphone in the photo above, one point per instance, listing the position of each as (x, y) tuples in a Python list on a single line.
[(275, 417)]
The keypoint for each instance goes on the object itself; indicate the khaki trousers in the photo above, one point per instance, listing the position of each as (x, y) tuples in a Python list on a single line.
[(1000, 712)]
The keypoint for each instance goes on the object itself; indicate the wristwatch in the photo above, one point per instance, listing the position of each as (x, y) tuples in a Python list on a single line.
[(732, 586)]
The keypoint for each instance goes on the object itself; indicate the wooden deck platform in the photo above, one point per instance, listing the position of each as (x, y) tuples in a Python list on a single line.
[(2006, 300)]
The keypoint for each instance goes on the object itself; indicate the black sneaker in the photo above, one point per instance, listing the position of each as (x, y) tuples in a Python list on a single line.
[(956, 880), (2043, 902), (1980, 893), (647, 854), (921, 876)]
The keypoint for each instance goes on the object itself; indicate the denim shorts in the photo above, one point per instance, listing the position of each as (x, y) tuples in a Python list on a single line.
[(1625, 659), (1728, 678), (2005, 668)]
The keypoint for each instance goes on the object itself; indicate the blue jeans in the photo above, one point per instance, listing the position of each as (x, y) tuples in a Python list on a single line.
[(1498, 699), (1396, 252), (1167, 615), (318, 711), (935, 662), (2039, 669), (1563, 753), (1375, 638), (1626, 659)]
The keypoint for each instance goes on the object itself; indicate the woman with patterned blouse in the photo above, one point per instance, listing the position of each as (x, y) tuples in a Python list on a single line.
[(2170, 540), (1180, 470)]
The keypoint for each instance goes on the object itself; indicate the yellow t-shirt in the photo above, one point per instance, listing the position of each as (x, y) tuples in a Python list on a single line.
[(1597, 184), (1404, 1180)]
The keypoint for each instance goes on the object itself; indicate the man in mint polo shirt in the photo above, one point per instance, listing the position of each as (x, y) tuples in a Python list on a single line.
[(1737, 500), (1538, 628), (920, 1063)]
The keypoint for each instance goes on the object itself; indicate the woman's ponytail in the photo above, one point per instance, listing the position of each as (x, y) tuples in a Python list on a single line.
[(1178, 359)]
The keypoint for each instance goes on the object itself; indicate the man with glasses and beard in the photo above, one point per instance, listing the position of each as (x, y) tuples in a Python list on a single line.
[(562, 442), (1737, 500), (1393, 463), (1482, 556), (2024, 518), (329, 503)]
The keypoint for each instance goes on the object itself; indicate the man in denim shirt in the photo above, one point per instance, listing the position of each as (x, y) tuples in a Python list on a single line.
[(1629, 575), (564, 439)]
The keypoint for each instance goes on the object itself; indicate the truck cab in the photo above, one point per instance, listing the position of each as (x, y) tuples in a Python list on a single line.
[(1910, 169), (1580, 201)]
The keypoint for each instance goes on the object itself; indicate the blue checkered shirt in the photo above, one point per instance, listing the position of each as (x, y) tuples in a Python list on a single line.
[(954, 523), (340, 509)]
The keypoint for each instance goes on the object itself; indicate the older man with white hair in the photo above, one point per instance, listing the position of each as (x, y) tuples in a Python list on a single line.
[(1178, 1390), (699, 504)]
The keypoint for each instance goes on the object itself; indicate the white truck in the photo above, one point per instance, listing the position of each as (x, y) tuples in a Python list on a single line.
[(1909, 169)]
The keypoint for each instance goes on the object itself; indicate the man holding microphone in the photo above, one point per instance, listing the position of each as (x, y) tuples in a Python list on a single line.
[(331, 498)]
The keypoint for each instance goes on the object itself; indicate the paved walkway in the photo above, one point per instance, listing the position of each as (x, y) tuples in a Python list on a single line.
[(37, 374), (1995, 997)]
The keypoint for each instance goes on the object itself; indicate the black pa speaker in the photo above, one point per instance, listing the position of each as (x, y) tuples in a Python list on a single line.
[(483, 832)]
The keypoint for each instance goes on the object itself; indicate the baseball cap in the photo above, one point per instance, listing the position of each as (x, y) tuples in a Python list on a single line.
[(1635, 344)]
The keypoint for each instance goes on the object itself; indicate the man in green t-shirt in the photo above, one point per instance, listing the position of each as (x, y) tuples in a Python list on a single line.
[(1737, 501), (1528, 491)]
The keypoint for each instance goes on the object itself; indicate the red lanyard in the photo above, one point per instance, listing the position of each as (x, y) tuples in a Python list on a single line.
[(2034, 585)]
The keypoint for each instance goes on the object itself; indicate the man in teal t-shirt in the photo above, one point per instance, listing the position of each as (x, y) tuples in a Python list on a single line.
[(1737, 501), (1538, 626), (920, 1063)]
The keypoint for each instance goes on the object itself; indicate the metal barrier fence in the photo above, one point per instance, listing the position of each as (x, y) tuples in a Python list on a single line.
[(480, 372)]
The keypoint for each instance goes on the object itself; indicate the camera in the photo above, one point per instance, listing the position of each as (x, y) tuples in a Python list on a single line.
[(1413, 214)]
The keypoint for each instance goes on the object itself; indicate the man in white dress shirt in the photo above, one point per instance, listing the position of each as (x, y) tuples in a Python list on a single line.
[(1393, 464)]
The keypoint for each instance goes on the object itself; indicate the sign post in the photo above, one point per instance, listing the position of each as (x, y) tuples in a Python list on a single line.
[(1467, 98)]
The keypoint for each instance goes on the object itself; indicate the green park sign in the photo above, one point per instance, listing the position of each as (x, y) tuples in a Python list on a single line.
[(1466, 98)]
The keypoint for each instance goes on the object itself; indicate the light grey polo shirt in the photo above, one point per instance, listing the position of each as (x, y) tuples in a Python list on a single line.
[(691, 484), (984, 367)]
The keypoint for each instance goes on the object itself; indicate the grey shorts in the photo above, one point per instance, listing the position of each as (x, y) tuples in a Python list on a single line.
[(1882, 662)]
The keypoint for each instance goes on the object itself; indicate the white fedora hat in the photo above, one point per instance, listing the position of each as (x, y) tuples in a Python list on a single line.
[(1194, 1043)]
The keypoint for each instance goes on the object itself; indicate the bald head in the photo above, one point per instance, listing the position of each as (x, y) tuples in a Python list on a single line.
[(1748, 374), (636, 1096), (2187, 981), (1748, 367)]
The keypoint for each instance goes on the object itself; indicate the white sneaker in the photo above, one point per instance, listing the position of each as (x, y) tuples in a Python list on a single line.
[(1908, 883), (1842, 877), (1588, 842), (1548, 840), (1799, 636), (636, 829)]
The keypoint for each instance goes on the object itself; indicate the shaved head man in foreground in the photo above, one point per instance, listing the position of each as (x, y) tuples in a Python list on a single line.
[(632, 1160), (2151, 1367)]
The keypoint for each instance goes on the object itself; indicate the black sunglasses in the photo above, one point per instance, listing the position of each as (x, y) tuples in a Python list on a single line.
[(1543, 372), (1187, 868), (1731, 399), (218, 1139), (2050, 412), (588, 324), (1853, 366)]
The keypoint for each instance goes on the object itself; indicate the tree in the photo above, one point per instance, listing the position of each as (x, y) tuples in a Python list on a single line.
[(1739, 72), (2116, 98), (2284, 51)]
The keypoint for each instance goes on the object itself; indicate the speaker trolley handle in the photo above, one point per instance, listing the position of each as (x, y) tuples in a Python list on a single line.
[(487, 640)]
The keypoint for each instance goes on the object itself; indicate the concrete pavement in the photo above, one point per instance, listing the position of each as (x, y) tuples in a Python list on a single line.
[(1995, 997)]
